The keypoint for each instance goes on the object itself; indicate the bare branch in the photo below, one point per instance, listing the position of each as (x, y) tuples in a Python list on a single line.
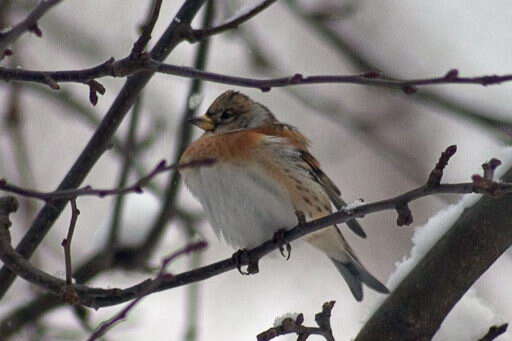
[(106, 326), (130, 65), (66, 243), (471, 245), (183, 139), (102, 137), (231, 23), (95, 297), (28, 24), (121, 68), (360, 59), (88, 190), (369, 78), (147, 29)]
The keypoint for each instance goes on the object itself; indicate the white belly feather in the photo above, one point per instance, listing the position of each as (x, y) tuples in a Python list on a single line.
[(244, 206)]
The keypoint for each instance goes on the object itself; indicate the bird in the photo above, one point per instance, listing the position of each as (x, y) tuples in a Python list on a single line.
[(265, 179)]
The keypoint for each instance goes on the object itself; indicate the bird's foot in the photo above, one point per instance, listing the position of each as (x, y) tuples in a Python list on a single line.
[(242, 257), (284, 248), (301, 217)]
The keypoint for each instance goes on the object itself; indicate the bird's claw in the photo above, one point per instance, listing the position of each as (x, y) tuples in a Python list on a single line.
[(301, 217), (242, 257), (284, 248)]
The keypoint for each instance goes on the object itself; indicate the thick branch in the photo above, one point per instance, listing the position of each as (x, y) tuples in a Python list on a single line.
[(481, 234)]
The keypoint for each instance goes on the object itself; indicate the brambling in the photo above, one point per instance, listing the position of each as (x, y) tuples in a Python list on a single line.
[(264, 179)]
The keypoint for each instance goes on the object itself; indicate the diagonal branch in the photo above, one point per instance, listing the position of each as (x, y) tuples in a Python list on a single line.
[(147, 29), (183, 138), (101, 139), (231, 23), (106, 326), (27, 24)]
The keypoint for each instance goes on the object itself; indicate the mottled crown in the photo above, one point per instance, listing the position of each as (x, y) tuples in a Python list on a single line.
[(233, 110)]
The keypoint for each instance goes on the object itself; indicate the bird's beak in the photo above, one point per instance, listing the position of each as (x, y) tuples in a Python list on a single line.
[(204, 122)]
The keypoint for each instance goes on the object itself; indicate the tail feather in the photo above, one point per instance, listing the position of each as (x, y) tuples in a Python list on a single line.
[(355, 275)]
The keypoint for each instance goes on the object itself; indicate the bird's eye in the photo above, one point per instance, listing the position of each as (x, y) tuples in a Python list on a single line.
[(227, 114)]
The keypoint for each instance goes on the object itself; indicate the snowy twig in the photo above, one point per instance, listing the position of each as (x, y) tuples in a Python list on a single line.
[(106, 326), (294, 326), (88, 190), (231, 23), (27, 24), (494, 332)]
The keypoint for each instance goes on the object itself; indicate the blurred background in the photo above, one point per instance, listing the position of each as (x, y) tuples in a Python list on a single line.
[(373, 142)]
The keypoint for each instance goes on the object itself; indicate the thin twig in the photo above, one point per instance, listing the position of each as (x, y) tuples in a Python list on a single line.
[(231, 23), (126, 167), (106, 326), (88, 190), (360, 60), (66, 243), (27, 24), (147, 29), (128, 66), (101, 139), (295, 326), (369, 78)]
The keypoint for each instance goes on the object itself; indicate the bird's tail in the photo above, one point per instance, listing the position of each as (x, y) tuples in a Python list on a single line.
[(355, 275)]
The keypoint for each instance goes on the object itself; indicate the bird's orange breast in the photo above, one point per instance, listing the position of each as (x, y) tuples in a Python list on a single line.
[(233, 147)]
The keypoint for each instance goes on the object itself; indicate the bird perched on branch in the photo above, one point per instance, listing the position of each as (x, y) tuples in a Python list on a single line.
[(264, 179)]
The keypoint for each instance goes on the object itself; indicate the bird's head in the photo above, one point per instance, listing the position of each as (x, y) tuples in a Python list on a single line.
[(233, 111)]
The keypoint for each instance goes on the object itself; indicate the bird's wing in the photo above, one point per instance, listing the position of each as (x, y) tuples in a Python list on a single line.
[(330, 189), (300, 144)]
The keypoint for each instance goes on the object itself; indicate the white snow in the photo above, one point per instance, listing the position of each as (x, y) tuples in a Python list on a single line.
[(354, 204), (194, 101), (471, 317), (279, 320)]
